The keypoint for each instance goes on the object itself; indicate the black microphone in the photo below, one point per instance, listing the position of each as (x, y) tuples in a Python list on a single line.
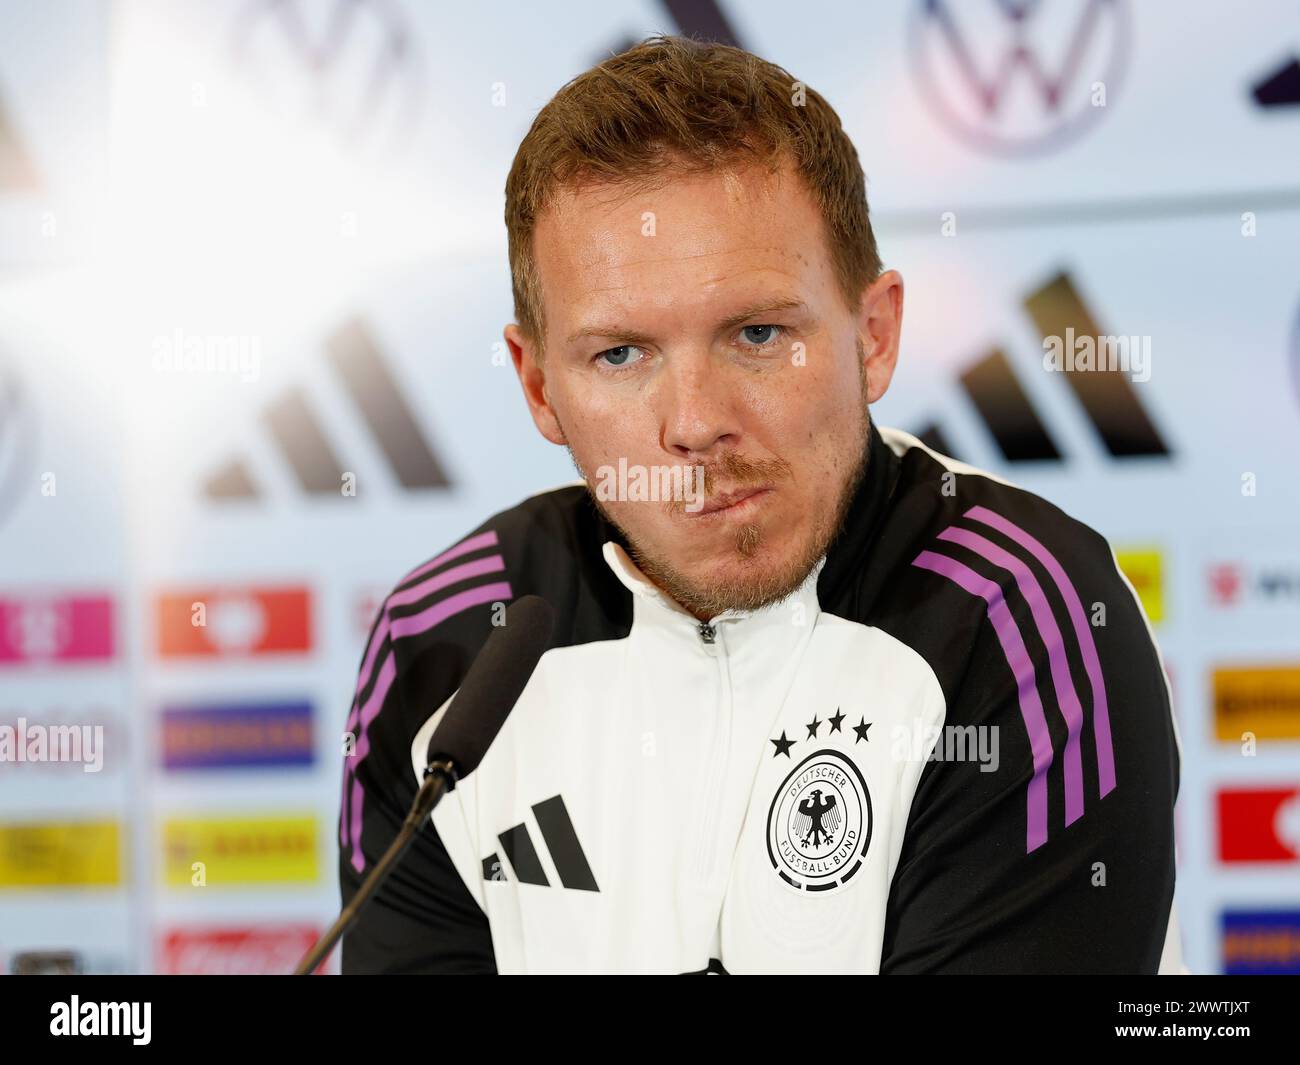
[(496, 679)]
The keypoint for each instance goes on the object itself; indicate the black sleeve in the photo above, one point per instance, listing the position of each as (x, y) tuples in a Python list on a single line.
[(978, 887), (423, 919)]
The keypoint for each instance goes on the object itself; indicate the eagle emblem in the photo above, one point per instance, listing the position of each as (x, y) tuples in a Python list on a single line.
[(808, 823)]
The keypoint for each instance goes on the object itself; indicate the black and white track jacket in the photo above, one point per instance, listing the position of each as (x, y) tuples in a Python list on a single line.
[(951, 750)]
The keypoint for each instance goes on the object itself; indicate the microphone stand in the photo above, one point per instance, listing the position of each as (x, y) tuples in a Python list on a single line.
[(439, 777)]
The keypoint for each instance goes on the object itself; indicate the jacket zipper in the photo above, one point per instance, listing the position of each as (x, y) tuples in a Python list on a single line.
[(713, 796)]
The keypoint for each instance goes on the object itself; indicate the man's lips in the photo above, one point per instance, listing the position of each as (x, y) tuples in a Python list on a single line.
[(731, 501)]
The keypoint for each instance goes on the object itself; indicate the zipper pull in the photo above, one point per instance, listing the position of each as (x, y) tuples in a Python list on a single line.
[(707, 632)]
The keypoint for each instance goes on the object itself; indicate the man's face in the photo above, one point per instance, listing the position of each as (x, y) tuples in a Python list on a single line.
[(700, 324)]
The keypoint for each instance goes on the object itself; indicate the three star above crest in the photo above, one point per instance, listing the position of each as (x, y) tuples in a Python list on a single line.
[(784, 744)]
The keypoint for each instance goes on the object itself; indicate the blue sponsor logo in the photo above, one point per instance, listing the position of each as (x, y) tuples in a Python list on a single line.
[(236, 735), (1261, 942)]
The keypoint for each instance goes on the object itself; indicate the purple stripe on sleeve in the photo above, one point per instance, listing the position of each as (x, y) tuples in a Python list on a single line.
[(383, 682), (344, 835), (1050, 633), (1082, 632), (474, 543), (358, 797), (1031, 707), (377, 639), (477, 568), (398, 628), (445, 608), (463, 572)]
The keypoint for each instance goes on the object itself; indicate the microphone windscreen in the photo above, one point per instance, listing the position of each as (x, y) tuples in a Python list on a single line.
[(493, 684)]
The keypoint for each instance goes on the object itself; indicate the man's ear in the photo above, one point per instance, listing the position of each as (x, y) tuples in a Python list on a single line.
[(532, 379), (880, 326)]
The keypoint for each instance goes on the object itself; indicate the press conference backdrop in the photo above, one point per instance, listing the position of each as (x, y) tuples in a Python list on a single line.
[(252, 283)]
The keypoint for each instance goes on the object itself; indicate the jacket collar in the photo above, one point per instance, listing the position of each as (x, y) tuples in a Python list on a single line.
[(848, 556), (660, 602)]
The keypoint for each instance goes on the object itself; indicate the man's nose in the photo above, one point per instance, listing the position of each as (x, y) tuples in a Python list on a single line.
[(698, 407)]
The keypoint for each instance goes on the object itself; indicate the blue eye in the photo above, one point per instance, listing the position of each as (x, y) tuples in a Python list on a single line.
[(758, 342), (619, 356)]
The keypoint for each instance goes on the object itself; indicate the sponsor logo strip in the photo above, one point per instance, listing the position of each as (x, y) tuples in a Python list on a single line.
[(229, 852), (60, 629), (60, 854), (1259, 824), (1264, 702), (1261, 943), (247, 621), (267, 950), (245, 734)]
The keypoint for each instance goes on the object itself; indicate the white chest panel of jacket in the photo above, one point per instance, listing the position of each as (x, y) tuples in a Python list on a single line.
[(736, 791)]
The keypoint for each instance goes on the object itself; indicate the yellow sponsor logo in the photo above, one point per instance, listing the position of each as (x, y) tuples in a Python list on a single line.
[(60, 854), (224, 852), (1265, 702), (1143, 568)]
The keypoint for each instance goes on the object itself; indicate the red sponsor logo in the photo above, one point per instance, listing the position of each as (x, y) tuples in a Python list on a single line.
[(1259, 825), (59, 628), (234, 621), (1275, 584), (1225, 583), (268, 950)]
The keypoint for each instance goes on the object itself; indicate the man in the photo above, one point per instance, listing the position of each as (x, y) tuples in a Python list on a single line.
[(852, 706)]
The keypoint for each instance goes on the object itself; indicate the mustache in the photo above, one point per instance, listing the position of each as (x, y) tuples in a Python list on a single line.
[(735, 473)]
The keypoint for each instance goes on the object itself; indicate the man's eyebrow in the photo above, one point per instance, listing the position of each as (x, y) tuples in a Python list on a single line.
[(612, 332), (786, 303)]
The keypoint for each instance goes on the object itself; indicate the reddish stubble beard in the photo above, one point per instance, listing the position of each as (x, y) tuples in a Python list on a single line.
[(758, 585)]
